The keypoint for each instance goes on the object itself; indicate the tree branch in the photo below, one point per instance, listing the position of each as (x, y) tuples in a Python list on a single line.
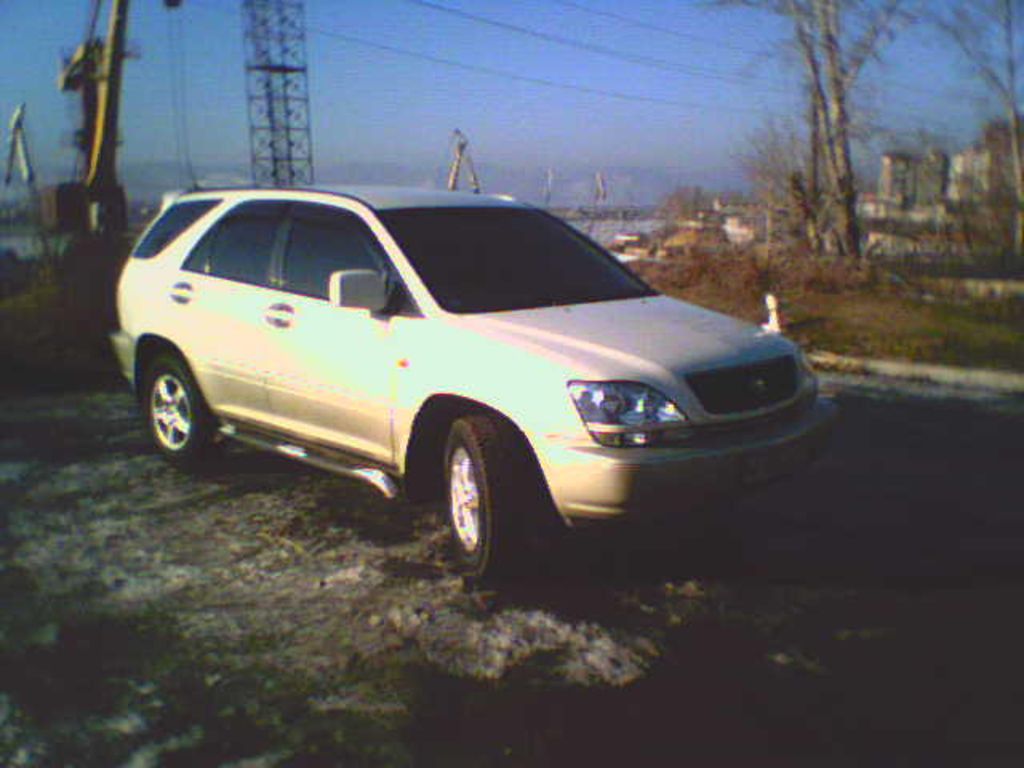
[(866, 47)]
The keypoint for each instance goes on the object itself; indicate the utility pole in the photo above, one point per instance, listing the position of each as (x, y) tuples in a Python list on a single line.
[(281, 147)]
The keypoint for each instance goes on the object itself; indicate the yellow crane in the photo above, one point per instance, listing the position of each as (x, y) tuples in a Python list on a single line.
[(95, 200)]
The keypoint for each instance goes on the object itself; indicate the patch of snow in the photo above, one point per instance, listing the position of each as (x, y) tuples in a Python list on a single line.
[(14, 471), (487, 649)]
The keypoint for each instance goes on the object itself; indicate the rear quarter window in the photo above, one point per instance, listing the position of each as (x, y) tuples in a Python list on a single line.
[(171, 223)]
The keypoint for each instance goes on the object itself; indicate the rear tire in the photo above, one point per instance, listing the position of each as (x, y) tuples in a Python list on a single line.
[(179, 420), (490, 480)]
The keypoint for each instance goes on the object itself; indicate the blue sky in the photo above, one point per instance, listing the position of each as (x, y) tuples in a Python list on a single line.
[(719, 78)]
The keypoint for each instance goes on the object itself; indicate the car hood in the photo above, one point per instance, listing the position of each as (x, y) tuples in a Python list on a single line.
[(621, 339)]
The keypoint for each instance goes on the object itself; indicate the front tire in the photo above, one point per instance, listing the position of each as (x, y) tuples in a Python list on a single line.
[(488, 476), (180, 422)]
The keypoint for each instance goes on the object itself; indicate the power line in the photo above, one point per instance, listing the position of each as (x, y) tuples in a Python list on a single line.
[(544, 82), (494, 72), (612, 53), (179, 95), (640, 24), (505, 74)]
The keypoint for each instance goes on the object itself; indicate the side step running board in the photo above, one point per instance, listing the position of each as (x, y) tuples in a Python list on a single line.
[(320, 459)]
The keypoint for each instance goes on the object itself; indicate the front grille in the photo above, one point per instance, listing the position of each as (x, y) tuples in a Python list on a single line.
[(745, 387)]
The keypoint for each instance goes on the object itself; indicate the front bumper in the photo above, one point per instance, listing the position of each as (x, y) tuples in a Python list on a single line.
[(593, 482)]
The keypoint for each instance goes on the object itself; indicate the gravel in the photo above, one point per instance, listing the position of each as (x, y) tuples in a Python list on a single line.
[(261, 611)]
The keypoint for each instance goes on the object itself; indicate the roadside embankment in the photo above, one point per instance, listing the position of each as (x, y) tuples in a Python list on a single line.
[(974, 378)]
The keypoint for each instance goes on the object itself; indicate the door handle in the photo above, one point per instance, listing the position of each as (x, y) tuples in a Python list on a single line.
[(181, 293), (279, 315)]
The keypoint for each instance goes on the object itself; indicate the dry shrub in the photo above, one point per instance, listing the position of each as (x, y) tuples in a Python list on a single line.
[(54, 334), (752, 272), (799, 273), (721, 267)]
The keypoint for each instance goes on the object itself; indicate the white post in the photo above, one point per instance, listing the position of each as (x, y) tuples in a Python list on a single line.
[(774, 324)]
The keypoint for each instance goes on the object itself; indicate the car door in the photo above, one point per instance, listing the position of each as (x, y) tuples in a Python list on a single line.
[(334, 373), (227, 308)]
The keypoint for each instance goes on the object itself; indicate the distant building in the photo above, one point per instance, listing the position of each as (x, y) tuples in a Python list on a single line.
[(908, 180), (704, 229), (985, 170), (869, 206), (970, 175), (744, 228), (918, 187), (930, 178), (735, 223), (896, 181), (923, 198)]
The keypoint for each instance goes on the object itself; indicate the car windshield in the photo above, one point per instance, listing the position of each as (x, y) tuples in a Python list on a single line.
[(493, 259)]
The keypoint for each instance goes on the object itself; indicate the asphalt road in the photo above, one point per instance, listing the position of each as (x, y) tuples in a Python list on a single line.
[(923, 486), (263, 614)]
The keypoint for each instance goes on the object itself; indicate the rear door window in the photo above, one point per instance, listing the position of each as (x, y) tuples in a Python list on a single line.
[(239, 247), (323, 240)]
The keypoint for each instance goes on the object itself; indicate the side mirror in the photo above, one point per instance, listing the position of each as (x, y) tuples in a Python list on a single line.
[(358, 289)]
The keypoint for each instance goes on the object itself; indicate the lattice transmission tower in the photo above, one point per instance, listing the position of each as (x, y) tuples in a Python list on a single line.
[(275, 69)]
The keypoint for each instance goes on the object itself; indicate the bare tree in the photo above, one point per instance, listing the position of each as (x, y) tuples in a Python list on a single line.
[(683, 202), (773, 162), (832, 59), (985, 32)]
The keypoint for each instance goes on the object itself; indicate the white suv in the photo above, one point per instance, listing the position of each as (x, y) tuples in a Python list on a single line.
[(457, 346)]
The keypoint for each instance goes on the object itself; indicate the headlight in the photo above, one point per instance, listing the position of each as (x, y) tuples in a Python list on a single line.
[(624, 413)]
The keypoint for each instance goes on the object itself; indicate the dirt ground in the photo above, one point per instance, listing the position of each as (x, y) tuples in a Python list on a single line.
[(265, 614)]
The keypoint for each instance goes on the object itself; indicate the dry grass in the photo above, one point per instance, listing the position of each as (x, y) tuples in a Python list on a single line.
[(847, 310), (54, 335)]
